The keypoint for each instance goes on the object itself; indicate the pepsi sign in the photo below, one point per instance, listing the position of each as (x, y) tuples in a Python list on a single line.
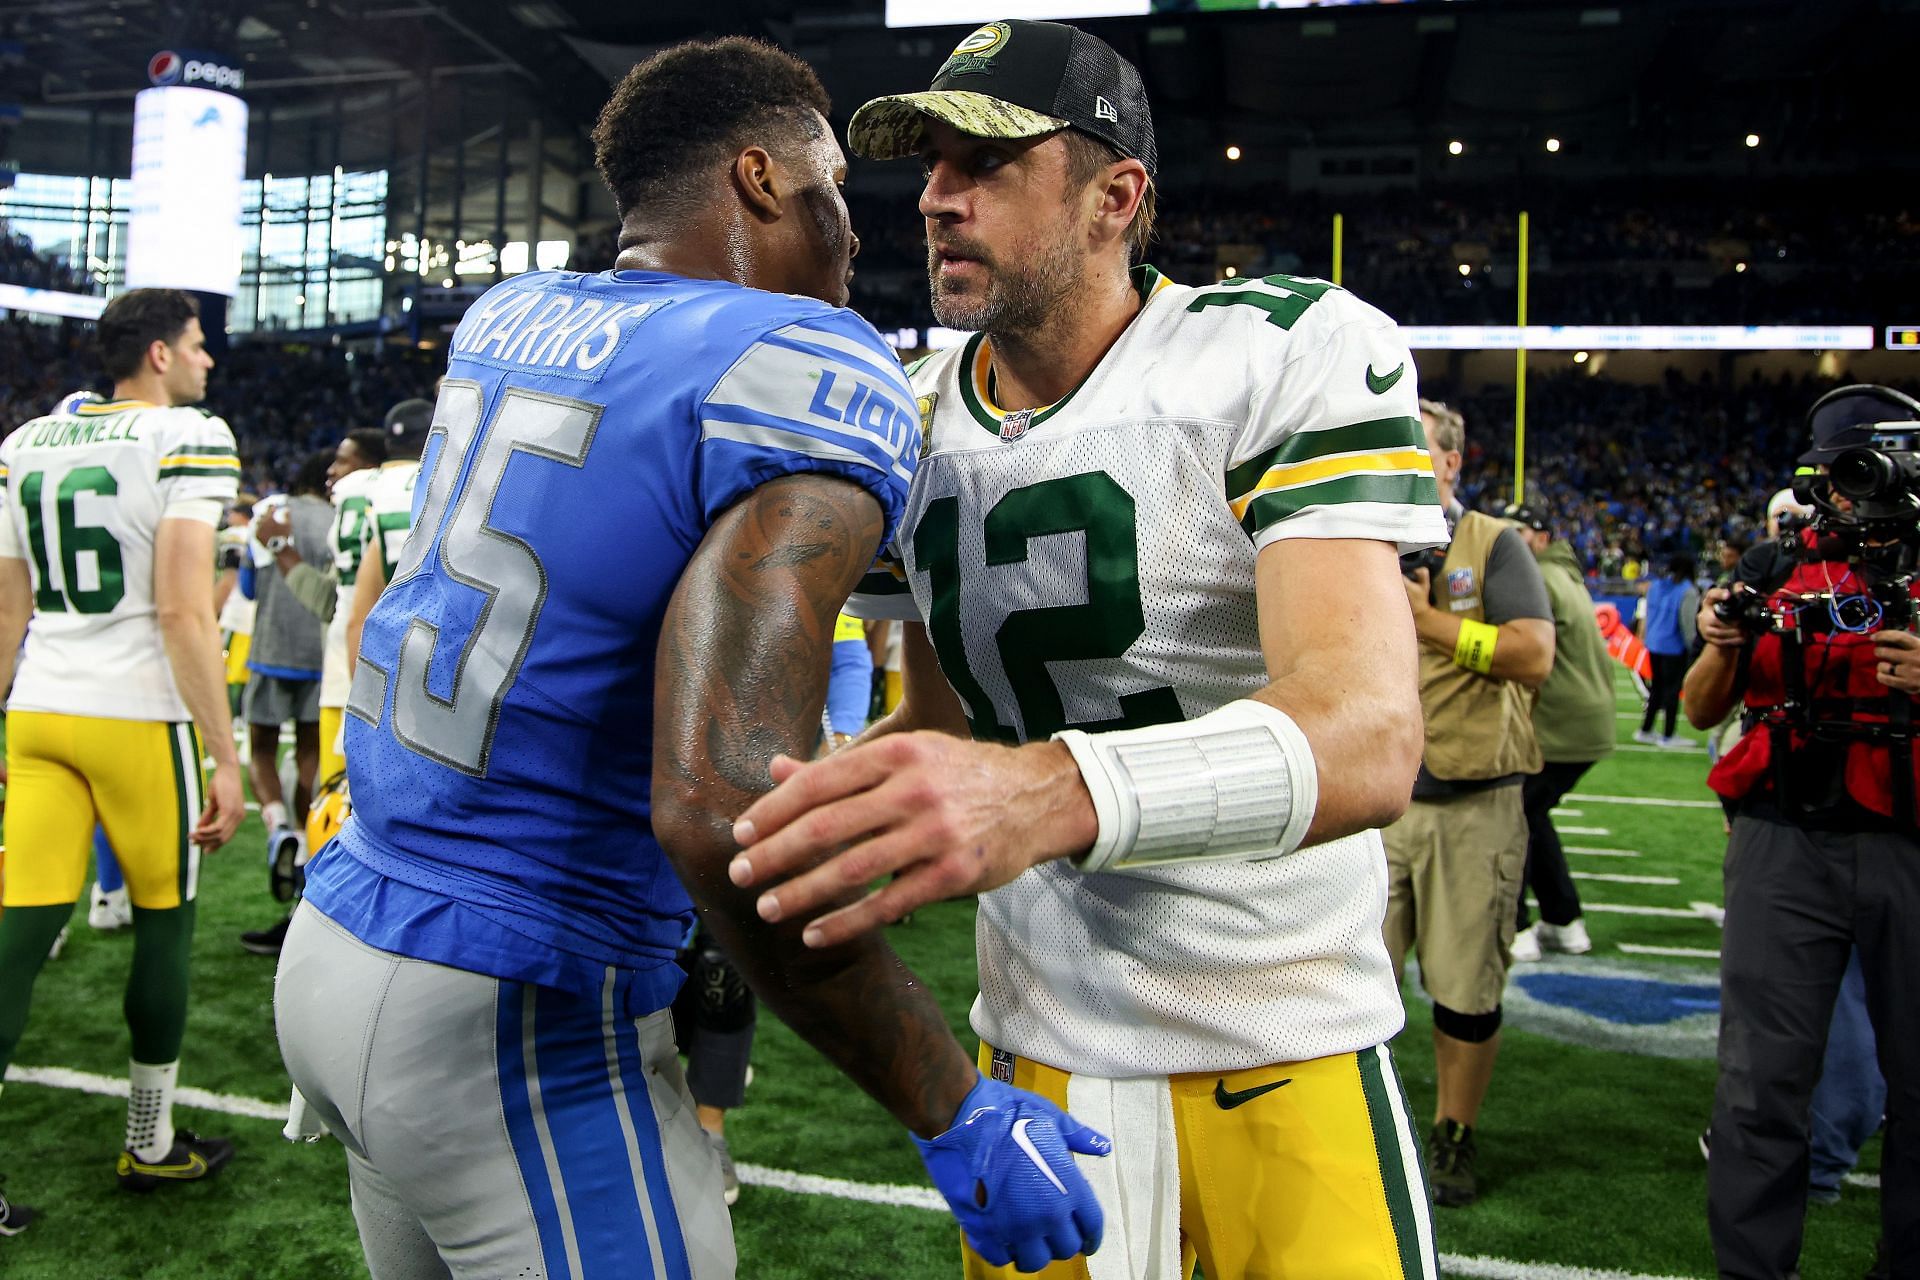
[(197, 70)]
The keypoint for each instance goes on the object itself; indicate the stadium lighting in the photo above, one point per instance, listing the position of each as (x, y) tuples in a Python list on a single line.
[(1753, 140), (1579, 357), (1553, 144), (1232, 272), (1456, 147), (1233, 153), (1465, 270), (1739, 268), (447, 283)]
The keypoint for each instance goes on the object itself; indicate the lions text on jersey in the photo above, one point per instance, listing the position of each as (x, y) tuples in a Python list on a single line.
[(590, 431), (1090, 565)]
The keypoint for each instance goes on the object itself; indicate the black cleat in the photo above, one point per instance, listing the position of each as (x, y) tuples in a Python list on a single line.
[(266, 942), (285, 877), (1451, 1152), (14, 1218), (191, 1159)]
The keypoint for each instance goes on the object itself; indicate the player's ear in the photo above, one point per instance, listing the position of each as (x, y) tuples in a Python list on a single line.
[(159, 355), (1124, 187), (757, 181)]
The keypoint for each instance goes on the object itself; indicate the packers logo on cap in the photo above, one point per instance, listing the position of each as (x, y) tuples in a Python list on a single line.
[(975, 53)]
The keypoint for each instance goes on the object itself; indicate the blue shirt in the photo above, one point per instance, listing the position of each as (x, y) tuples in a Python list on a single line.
[(1664, 599), (590, 431)]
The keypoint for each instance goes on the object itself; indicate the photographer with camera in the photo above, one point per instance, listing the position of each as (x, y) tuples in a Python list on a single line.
[(1456, 859), (1825, 851)]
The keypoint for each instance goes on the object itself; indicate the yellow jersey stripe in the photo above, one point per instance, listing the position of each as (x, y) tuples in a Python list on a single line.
[(199, 460), (1404, 461)]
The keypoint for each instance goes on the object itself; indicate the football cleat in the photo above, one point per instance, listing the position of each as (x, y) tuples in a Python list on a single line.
[(191, 1159), (267, 941), (109, 909), (286, 854), (14, 1218)]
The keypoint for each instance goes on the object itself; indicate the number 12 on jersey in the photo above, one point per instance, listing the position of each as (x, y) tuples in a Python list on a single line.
[(458, 731), (1106, 626)]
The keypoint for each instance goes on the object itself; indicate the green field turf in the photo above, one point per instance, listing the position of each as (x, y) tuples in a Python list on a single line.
[(1588, 1154)]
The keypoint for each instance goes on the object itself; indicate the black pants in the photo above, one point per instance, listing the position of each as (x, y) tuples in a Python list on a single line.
[(1547, 873), (1669, 672), (1797, 903)]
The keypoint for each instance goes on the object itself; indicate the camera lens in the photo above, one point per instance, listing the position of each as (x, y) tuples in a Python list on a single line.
[(1863, 473)]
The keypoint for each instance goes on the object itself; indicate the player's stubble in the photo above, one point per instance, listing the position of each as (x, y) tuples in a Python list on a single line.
[(1019, 297)]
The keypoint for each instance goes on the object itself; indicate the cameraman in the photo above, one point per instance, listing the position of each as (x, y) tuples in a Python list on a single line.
[(1825, 851)]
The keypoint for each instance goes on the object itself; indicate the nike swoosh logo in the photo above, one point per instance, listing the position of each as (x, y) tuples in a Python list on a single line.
[(1380, 384), (194, 1167), (1033, 1154), (1229, 1100)]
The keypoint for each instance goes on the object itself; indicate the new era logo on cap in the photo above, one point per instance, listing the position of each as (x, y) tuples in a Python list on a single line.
[(1103, 110)]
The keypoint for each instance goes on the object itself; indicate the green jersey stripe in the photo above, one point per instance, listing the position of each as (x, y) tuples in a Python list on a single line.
[(1395, 1178), (1360, 437), (1270, 508), (168, 473)]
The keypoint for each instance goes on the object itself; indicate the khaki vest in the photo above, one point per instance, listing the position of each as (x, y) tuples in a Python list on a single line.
[(1477, 727)]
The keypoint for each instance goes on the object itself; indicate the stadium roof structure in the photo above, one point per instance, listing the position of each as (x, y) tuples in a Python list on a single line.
[(1622, 81)]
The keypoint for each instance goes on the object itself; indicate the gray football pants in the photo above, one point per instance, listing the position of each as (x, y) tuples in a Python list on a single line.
[(498, 1130)]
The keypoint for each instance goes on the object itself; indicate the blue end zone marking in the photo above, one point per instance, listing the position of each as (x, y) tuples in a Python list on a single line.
[(1627, 1001)]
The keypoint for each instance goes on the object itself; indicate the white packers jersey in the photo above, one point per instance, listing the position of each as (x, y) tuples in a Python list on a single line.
[(1091, 565), (84, 494), (236, 615), (390, 507), (348, 537)]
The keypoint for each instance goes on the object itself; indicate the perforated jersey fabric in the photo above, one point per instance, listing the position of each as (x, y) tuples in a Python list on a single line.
[(1091, 565), (83, 491)]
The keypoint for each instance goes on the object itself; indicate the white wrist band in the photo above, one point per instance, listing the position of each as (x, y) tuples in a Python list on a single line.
[(1238, 783)]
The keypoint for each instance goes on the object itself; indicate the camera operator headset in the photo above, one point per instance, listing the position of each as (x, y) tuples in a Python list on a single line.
[(1818, 641)]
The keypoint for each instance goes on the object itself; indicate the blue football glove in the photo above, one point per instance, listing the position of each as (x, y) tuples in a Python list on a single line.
[(1007, 1172)]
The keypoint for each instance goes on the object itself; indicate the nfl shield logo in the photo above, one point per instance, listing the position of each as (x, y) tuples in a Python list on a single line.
[(1015, 424), (1002, 1066), (1460, 583)]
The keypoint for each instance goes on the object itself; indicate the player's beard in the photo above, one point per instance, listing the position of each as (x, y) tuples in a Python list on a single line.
[(1020, 298)]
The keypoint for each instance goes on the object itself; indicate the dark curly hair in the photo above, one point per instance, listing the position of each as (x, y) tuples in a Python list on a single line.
[(696, 105)]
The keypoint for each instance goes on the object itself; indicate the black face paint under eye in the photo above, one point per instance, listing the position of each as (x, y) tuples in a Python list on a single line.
[(824, 209)]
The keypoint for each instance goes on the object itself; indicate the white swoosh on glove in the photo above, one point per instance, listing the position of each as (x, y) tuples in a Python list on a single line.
[(1033, 1154)]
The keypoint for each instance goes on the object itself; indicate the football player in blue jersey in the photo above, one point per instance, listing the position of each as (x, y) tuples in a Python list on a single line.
[(473, 996)]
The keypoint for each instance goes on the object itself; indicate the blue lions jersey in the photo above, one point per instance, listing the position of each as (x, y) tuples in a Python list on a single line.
[(499, 739)]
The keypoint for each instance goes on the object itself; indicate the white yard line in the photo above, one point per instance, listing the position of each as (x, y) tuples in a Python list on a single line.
[(1474, 1267), (1594, 851), (1565, 813), (1583, 831), (1863, 1180), (1622, 909), (1645, 800), (1639, 949), (1664, 751), (1612, 877)]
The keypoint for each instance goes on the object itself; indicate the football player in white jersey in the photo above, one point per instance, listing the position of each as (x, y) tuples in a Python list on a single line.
[(108, 532), (1153, 540), (389, 511)]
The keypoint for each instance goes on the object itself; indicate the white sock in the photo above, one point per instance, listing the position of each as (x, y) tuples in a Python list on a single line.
[(150, 1109), (273, 816)]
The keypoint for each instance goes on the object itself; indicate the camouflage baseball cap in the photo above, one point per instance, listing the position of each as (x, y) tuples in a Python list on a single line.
[(1018, 79)]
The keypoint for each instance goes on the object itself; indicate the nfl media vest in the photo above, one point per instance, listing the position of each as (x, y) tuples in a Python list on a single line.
[(1802, 774), (1478, 728)]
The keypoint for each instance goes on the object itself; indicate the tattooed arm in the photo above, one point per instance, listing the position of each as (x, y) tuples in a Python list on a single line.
[(741, 677)]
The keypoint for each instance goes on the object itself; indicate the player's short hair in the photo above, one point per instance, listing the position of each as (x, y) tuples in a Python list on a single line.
[(1449, 428), (1087, 156), (135, 321), (694, 106), (370, 443)]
